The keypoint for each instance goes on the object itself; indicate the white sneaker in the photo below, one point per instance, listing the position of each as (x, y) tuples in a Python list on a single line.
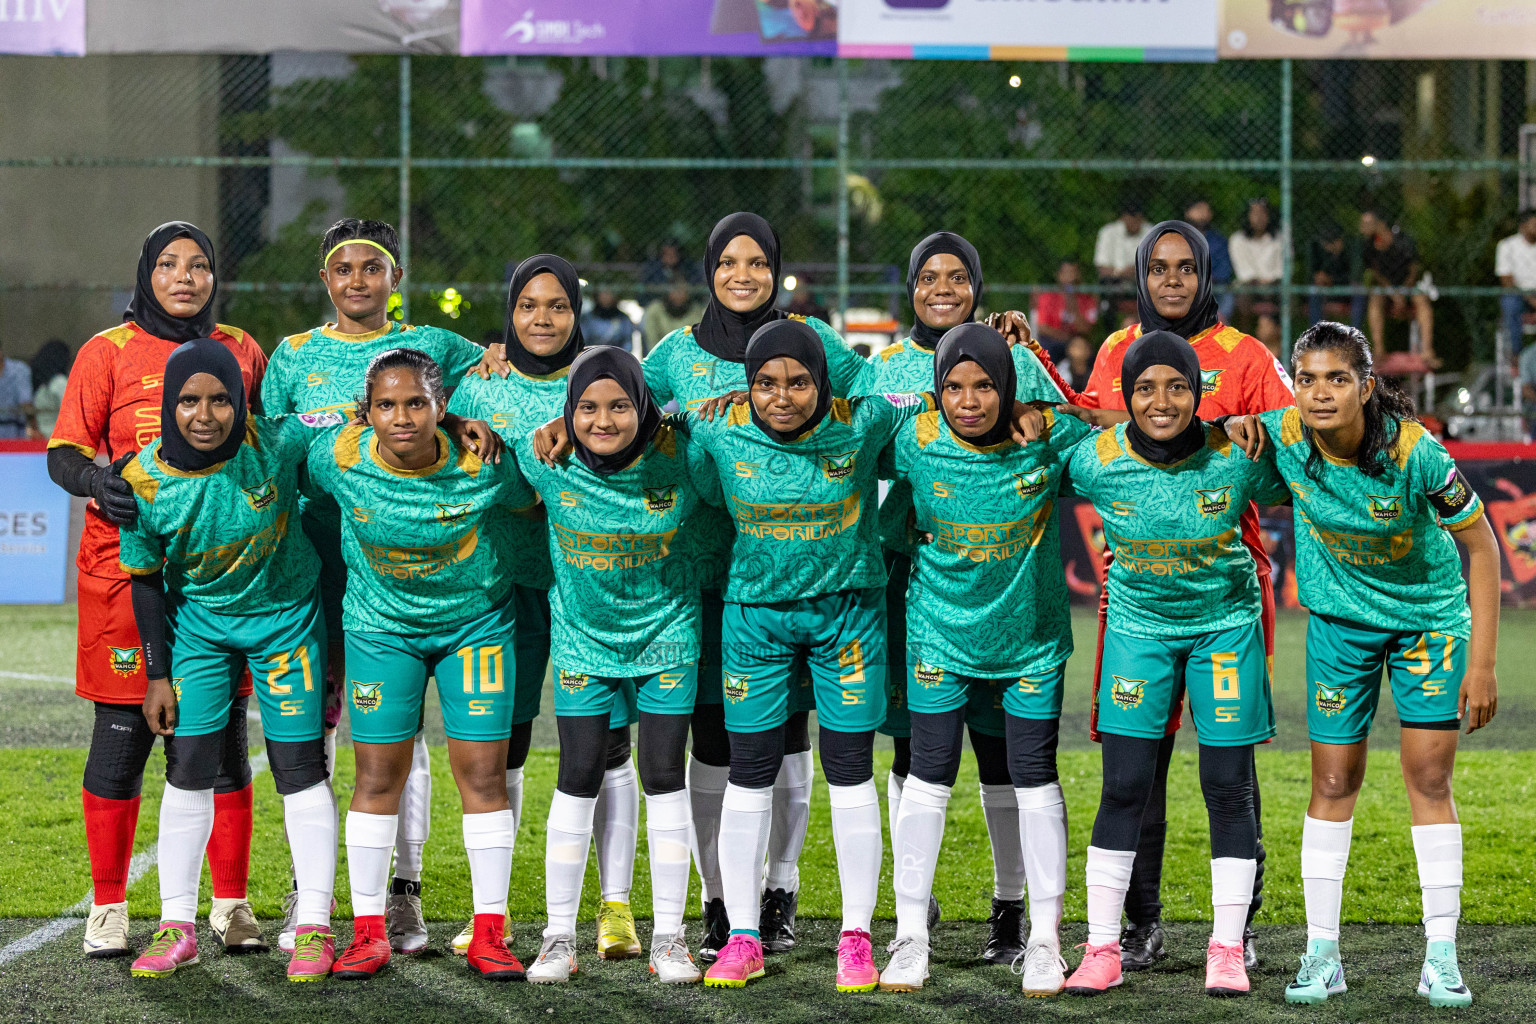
[(1045, 972), (461, 941), (671, 962), (556, 962), (233, 923), (291, 921), (106, 931), (403, 921), (908, 967)]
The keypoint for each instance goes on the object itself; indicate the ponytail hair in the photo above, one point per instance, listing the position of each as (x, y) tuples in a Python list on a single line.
[(1385, 411), (416, 361)]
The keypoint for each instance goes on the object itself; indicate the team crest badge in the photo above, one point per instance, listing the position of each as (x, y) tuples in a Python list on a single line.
[(1385, 507), (573, 682), (1210, 380), (1330, 699), (660, 499), (838, 467), (1215, 501), (260, 496), (366, 696), (448, 515), (927, 675), (1030, 484), (735, 687), (1126, 693), (125, 660)]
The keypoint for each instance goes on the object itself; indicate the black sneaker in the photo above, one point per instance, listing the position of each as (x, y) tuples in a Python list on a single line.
[(1250, 949), (933, 911), (1141, 946), (778, 920), (717, 931), (1005, 932)]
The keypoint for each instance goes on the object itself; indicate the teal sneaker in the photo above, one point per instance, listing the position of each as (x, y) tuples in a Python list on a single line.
[(1321, 974), (1441, 978)]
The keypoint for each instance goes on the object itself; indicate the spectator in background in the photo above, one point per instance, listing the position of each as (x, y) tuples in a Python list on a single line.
[(1514, 261), (669, 263), (50, 372), (1258, 258), (606, 324), (16, 417), (1329, 265), (1114, 252), (1201, 216), (676, 308), (1078, 365), (1059, 315), (1391, 259)]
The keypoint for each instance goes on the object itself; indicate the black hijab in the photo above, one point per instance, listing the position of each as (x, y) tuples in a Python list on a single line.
[(723, 332), (526, 362), (1162, 348), (797, 340), (1202, 311), (983, 346), (145, 310), (935, 244), (606, 362), (201, 355)]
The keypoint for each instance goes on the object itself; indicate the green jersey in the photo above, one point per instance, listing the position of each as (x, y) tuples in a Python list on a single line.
[(1180, 565), (907, 366), (804, 511), (987, 597), (1376, 550), (678, 369), (227, 537), (515, 406), (626, 599), (413, 540)]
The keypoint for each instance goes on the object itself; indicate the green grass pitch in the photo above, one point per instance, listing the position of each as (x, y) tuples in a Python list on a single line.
[(43, 870)]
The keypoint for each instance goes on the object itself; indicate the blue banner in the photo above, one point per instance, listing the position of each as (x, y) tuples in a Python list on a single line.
[(34, 531)]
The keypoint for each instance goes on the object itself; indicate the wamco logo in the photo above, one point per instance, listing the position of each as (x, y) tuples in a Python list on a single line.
[(553, 31)]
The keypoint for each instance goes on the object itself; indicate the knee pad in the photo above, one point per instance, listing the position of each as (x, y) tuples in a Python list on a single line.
[(296, 766), (797, 733), (847, 758), (234, 772), (711, 743), (120, 745), (192, 762), (663, 749), (756, 757), (935, 745), (584, 741)]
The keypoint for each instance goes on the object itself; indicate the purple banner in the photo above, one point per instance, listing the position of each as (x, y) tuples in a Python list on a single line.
[(648, 28), (43, 27)]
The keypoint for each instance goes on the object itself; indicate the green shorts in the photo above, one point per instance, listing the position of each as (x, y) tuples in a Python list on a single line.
[(932, 689), (1344, 664), (1225, 674), (898, 571), (842, 637), (669, 692), (531, 651), (286, 654), (387, 680)]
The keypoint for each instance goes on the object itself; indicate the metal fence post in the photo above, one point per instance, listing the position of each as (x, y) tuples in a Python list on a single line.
[(1287, 251), (405, 180), (842, 192)]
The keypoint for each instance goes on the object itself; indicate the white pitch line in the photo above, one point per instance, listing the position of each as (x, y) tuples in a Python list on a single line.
[(34, 677), (73, 917)]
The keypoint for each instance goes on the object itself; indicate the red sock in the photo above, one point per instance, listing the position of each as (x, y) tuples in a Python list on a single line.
[(229, 847), (109, 828)]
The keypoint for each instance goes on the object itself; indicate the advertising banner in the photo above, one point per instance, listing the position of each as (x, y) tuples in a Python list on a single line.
[(45, 28), (1129, 30), (650, 28), (34, 527), (1395, 29), (243, 26)]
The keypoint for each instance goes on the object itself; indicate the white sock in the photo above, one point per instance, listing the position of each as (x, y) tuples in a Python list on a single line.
[(1001, 809), (1109, 879), (1231, 894), (1438, 849), (309, 817), (1043, 838), (369, 840), (186, 822), (330, 754), (568, 835), (488, 839), (415, 813), (791, 817), (706, 788), (667, 830), (515, 798), (744, 819), (616, 825), (893, 786), (860, 849), (1324, 856), (915, 846)]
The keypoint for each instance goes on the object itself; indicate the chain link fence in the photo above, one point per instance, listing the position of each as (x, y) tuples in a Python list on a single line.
[(481, 162)]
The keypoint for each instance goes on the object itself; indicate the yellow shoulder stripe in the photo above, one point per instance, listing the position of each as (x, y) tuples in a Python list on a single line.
[(1409, 433), (1116, 338), (1217, 438), (144, 485), (891, 350), (119, 335), (927, 426), (348, 450), (234, 332), (1108, 447), (468, 462), (841, 410), (666, 442), (296, 341), (739, 415), (1290, 427), (1229, 338)]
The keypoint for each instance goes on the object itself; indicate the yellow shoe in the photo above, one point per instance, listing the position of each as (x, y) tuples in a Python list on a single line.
[(616, 938), (460, 945)]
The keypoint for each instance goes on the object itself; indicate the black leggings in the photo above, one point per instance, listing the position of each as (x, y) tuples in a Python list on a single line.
[(518, 744), (121, 742), (847, 758), (935, 750), (1031, 750), (1130, 771), (589, 749)]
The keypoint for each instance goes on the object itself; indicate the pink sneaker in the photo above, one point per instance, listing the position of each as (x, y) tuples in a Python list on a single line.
[(1225, 974), (738, 963), (1099, 970), (174, 945), (856, 963), (314, 951)]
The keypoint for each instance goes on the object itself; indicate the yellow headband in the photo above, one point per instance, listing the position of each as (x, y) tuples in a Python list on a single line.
[(357, 241)]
